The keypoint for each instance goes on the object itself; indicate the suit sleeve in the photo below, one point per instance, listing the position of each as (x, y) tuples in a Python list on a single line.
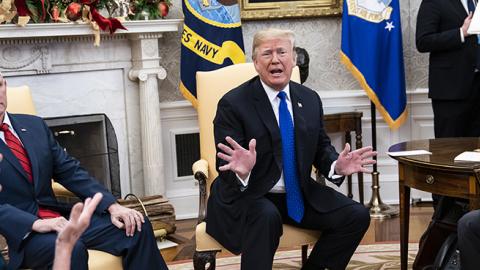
[(429, 36), (68, 172), (325, 154), (227, 123), (15, 224)]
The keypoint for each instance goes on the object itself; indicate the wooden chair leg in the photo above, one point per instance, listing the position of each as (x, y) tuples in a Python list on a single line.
[(304, 254), (204, 260)]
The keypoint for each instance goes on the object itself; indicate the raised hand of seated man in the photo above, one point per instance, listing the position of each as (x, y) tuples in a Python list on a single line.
[(353, 162), (239, 160)]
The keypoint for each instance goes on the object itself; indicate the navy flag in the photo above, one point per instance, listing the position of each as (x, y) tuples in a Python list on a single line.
[(372, 51), (211, 39)]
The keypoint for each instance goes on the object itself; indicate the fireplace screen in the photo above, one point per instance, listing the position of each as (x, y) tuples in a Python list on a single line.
[(91, 139)]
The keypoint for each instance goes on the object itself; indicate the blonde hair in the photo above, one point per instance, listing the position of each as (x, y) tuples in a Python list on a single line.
[(272, 33)]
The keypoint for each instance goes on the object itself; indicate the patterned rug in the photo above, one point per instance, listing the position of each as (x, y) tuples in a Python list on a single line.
[(366, 257)]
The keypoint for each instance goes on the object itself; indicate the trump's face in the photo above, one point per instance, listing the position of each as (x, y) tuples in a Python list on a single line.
[(274, 60), (3, 97)]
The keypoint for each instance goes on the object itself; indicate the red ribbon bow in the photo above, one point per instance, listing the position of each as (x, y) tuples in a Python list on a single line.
[(111, 23)]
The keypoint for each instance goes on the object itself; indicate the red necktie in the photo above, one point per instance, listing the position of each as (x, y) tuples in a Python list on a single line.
[(17, 149)]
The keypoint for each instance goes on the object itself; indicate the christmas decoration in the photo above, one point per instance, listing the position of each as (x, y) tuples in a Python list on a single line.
[(74, 11), (105, 15), (57, 11)]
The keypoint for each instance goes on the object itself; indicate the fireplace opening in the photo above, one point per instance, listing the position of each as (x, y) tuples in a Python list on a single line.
[(91, 139)]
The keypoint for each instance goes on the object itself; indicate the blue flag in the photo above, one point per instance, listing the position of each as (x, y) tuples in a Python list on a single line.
[(372, 51), (211, 39)]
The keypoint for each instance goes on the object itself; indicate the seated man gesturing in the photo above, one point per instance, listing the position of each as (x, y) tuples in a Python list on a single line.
[(32, 217)]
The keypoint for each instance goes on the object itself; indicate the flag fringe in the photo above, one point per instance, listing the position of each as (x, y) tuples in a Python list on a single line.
[(188, 95), (393, 124)]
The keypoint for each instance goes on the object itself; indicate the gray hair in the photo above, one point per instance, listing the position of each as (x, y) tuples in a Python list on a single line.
[(271, 33)]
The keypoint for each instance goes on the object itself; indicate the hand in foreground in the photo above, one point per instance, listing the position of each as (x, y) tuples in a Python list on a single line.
[(79, 220), (123, 217), (76, 225), (353, 162), (239, 160)]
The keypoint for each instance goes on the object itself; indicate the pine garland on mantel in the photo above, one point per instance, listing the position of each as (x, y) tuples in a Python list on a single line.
[(106, 15), (22, 12)]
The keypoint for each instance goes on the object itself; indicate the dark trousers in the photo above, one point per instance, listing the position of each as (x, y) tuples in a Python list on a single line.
[(138, 252), (458, 118), (469, 240), (342, 231)]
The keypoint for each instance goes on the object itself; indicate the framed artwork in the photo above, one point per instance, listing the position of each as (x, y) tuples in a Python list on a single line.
[(277, 9)]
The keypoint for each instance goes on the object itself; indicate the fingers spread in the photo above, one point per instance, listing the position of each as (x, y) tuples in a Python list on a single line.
[(233, 143), (76, 211), (251, 146), (225, 167), (225, 149), (345, 150), (368, 162), (224, 157), (363, 150)]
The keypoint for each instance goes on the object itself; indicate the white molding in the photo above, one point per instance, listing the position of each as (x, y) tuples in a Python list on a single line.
[(37, 30)]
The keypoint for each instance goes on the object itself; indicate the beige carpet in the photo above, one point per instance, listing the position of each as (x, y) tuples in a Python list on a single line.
[(366, 257)]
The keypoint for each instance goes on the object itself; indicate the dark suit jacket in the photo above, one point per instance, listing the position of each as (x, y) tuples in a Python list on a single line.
[(452, 63), (246, 113), (19, 199)]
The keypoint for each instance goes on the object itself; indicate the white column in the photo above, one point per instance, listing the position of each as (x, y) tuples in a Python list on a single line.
[(147, 70)]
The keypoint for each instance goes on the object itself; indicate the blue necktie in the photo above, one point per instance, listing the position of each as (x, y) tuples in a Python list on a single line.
[(295, 205), (471, 6)]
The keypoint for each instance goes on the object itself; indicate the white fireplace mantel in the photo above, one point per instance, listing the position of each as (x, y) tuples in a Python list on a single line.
[(37, 30), (68, 75)]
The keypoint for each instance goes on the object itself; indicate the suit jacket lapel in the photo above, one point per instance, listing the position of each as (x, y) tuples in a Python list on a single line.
[(11, 158), (28, 143), (458, 9), (266, 114), (300, 124)]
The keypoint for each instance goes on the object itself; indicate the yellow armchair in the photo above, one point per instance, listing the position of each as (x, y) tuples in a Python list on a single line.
[(19, 100), (211, 86)]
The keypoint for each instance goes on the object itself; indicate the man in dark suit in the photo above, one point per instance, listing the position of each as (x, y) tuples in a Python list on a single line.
[(265, 158), (454, 80), (31, 217)]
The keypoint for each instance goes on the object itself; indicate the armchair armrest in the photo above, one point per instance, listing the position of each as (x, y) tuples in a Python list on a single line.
[(200, 172), (60, 191)]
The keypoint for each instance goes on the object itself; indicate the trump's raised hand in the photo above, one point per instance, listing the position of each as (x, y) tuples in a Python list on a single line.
[(239, 160), (354, 161)]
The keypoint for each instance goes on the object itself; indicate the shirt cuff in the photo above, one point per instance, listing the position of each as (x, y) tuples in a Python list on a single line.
[(462, 38), (243, 182), (331, 173)]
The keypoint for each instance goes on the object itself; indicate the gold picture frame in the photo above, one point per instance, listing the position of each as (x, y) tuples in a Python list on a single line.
[(273, 9)]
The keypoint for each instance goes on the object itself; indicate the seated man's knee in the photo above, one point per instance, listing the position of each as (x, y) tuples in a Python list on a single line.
[(469, 223), (361, 216), (265, 213)]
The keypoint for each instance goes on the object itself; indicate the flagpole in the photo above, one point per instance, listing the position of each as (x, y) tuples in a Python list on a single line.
[(378, 210)]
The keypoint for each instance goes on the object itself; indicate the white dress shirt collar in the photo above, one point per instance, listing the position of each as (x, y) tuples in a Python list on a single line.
[(272, 93)]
